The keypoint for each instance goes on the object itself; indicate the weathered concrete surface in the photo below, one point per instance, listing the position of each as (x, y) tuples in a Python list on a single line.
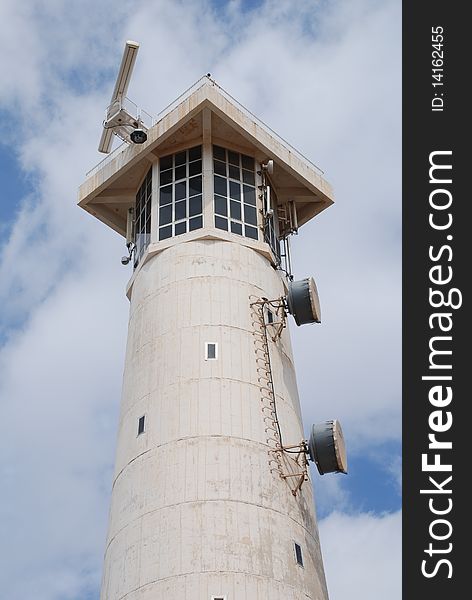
[(196, 510)]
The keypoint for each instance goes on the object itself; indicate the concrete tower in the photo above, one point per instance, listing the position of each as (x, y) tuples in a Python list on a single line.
[(211, 496)]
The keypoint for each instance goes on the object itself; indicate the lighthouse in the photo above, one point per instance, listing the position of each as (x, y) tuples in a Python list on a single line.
[(211, 496)]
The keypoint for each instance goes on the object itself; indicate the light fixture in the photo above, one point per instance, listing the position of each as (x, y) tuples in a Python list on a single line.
[(138, 136)]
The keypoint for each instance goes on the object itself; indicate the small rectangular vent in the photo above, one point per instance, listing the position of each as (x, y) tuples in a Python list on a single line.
[(141, 425), (298, 554), (211, 351)]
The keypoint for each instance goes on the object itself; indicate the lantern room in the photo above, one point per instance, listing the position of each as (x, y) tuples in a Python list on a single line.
[(209, 169)]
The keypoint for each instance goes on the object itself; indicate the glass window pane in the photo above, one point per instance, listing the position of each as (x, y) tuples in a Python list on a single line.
[(180, 203), (165, 232), (221, 223), (195, 153), (195, 206), (249, 194), (165, 195), (234, 190), (180, 228), (180, 210), (180, 190), (195, 185), (250, 215), (165, 162), (233, 158), (220, 186), (195, 168), (180, 172), (165, 215), (235, 210), (248, 177), (221, 206), (166, 177), (219, 167), (251, 232), (195, 223), (248, 162), (236, 228), (234, 172), (181, 158), (219, 153)]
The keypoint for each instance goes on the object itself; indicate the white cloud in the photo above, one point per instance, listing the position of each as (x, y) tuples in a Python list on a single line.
[(330, 493), (19, 45), (60, 389), (334, 96), (362, 556)]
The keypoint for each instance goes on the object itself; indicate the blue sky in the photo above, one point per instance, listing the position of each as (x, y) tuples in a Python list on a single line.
[(15, 187), (324, 75)]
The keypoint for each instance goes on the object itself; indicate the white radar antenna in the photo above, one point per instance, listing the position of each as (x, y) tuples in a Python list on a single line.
[(123, 118)]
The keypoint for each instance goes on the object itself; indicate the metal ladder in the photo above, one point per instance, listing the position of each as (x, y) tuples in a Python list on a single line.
[(289, 462), (266, 384)]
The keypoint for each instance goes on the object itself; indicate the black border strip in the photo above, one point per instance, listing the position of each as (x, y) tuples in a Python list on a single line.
[(435, 249)]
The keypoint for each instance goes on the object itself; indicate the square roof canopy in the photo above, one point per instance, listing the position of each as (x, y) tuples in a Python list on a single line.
[(111, 186)]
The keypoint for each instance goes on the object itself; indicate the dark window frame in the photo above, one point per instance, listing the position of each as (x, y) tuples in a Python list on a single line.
[(234, 189), (142, 216), (181, 189)]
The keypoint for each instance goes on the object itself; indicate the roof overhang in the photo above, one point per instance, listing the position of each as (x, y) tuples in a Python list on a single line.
[(111, 187)]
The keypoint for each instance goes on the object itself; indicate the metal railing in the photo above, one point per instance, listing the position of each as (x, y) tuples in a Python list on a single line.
[(273, 133), (188, 92)]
